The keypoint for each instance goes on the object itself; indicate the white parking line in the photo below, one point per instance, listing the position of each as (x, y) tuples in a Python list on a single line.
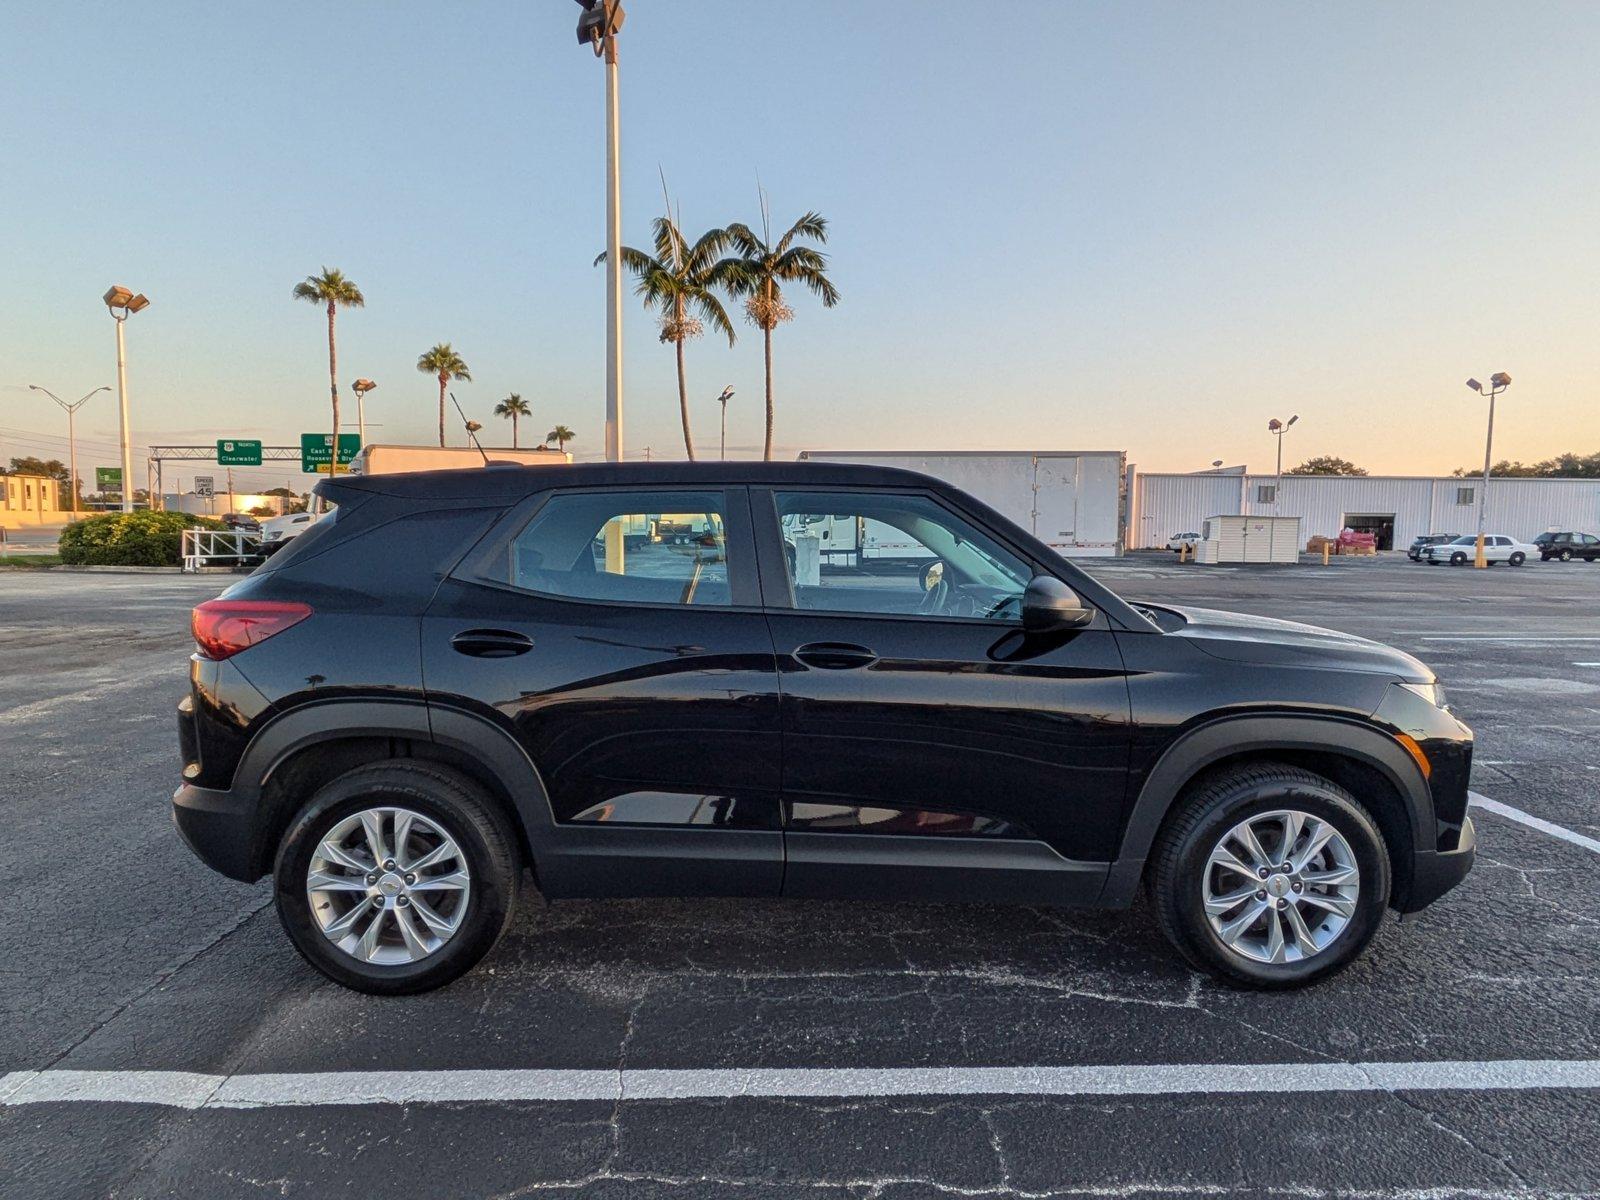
[(1525, 639), (1533, 822), (180, 1089)]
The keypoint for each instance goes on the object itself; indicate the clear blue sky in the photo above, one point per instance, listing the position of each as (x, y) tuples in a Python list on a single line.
[(1118, 225)]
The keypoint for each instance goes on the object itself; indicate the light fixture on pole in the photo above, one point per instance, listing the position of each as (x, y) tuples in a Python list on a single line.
[(118, 297), (1278, 429), (598, 27), (727, 394), (1498, 382), (72, 437), (361, 387)]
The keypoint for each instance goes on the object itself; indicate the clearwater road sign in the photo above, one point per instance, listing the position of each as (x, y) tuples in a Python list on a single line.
[(231, 452), (316, 451)]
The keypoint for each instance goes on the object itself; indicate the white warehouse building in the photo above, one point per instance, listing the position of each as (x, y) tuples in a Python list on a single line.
[(1395, 507)]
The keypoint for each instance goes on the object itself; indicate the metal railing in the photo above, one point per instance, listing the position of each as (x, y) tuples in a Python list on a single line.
[(219, 547)]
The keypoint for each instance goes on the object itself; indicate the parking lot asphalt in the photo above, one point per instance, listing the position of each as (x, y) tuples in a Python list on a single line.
[(120, 953)]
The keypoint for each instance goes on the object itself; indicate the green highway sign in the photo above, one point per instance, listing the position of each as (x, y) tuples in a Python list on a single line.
[(108, 479), (316, 450), (235, 453)]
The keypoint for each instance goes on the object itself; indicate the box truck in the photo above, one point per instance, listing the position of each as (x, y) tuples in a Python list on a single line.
[(1073, 501)]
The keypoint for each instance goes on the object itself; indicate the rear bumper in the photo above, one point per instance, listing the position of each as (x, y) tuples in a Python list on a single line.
[(1435, 872), (219, 826)]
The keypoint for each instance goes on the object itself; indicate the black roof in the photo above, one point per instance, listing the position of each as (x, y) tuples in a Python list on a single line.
[(507, 483)]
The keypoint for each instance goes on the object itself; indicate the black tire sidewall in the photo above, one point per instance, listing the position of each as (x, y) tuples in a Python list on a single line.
[(1326, 802), (461, 814)]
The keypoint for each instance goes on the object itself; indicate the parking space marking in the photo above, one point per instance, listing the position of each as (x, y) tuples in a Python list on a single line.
[(186, 1090), (1522, 639), (1532, 822)]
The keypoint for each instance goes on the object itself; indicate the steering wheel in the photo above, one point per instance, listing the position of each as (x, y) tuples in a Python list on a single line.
[(935, 587)]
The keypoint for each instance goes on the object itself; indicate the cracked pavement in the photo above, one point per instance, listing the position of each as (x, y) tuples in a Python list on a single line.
[(119, 950)]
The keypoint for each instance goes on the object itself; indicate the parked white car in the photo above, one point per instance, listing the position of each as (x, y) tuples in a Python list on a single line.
[(1497, 548), (1179, 540), (279, 530)]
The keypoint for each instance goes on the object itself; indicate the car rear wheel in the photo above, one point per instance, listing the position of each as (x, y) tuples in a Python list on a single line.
[(1270, 876), (1565, 556), (397, 877)]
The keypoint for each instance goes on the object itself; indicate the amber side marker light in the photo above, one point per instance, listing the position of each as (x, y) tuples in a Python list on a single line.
[(222, 628), (1414, 749)]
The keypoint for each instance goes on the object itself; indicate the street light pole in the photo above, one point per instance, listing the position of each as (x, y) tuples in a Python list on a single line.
[(1498, 382), (1278, 429), (727, 394), (118, 297), (72, 435), (361, 387)]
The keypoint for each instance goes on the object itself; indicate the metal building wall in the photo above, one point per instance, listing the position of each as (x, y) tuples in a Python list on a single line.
[(1169, 504)]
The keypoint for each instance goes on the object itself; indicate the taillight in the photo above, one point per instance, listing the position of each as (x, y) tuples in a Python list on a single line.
[(222, 628)]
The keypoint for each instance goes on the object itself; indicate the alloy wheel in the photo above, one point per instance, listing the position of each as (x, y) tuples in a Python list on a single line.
[(388, 886), (1280, 887)]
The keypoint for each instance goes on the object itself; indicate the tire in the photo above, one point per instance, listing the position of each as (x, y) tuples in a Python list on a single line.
[(451, 803), (1517, 559), (1565, 556), (1204, 817), (1458, 559)]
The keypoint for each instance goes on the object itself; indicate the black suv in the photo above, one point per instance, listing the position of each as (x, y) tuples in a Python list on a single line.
[(797, 679), (1567, 546), (1419, 544)]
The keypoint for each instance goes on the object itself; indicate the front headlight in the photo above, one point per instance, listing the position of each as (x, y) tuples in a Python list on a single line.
[(1433, 693)]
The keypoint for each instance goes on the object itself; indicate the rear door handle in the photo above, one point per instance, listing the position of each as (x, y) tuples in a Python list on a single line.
[(491, 643), (835, 656)]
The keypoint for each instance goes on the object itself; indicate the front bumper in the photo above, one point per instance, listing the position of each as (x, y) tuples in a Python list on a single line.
[(1435, 872), (219, 826)]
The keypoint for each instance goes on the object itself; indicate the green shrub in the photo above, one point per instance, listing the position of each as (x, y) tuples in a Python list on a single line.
[(136, 539)]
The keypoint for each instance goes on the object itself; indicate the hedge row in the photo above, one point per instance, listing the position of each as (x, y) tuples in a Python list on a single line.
[(136, 539)]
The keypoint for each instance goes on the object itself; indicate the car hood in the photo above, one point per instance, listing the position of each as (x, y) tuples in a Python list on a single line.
[(1245, 638)]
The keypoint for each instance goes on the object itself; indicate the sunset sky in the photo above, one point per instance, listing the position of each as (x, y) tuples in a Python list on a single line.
[(1128, 226)]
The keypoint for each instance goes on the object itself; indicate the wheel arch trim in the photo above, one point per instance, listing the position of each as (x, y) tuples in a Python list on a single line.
[(1226, 737)]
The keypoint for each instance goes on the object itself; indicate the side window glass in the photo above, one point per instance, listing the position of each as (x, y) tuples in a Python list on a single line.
[(643, 547), (868, 552)]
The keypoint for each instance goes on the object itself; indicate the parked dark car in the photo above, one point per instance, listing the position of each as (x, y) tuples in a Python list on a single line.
[(1567, 546), (1419, 544), (241, 521), (457, 676)]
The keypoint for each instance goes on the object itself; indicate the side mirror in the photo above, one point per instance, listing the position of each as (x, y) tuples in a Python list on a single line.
[(1049, 605)]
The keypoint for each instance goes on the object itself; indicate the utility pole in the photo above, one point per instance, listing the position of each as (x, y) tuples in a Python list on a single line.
[(72, 436), (727, 394), (1498, 382), (119, 297), (1278, 429)]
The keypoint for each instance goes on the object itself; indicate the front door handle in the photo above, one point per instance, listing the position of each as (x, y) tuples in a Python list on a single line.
[(491, 643), (835, 656)]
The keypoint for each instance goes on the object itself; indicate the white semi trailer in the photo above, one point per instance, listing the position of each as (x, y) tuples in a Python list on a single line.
[(1073, 501)]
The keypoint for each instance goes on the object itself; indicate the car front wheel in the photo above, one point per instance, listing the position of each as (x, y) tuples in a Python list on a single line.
[(397, 877), (1457, 559), (1517, 559), (1270, 876), (1565, 556)]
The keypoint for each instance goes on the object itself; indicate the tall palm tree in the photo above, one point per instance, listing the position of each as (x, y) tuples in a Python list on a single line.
[(444, 363), (760, 270), (560, 435), (513, 406), (336, 291), (679, 281)]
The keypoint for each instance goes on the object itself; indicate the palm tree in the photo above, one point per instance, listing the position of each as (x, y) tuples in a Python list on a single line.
[(334, 290), (678, 279), (763, 267), (442, 361), (513, 406), (560, 435)]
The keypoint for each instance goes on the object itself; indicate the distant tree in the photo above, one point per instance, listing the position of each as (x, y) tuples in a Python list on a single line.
[(444, 363), (1562, 466), (560, 435), (1326, 464), (514, 407), (332, 289), (759, 269), (50, 468), (281, 491), (680, 280)]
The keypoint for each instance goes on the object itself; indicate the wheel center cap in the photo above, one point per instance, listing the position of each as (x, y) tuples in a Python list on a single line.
[(391, 885), (1278, 886)]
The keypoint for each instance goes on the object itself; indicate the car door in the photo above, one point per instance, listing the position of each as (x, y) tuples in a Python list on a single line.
[(930, 747), (616, 635)]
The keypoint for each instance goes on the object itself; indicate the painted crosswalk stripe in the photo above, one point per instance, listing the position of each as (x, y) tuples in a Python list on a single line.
[(188, 1090)]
